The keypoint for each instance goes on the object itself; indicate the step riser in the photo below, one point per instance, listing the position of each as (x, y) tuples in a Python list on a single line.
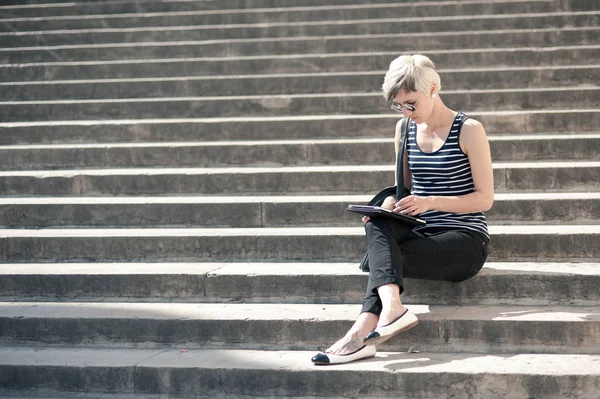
[(479, 336), (278, 106), (441, 41), (353, 182), (484, 289), (274, 155), (325, 29), (190, 380), (334, 248), (265, 214), (301, 85), (307, 64), (542, 122), (245, 14)]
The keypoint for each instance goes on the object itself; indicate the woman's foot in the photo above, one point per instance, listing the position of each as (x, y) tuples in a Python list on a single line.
[(391, 324), (388, 316), (351, 342), (328, 358), (347, 349)]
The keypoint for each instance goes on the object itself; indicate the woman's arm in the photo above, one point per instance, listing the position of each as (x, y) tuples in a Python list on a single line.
[(474, 143)]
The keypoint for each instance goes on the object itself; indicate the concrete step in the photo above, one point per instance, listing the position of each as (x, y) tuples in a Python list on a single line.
[(290, 104), (303, 83), (280, 374), (480, 329), (311, 180), (184, 29), (276, 128), (510, 148), (250, 11), (308, 244), (195, 16), (304, 45), (498, 283), (447, 60), (268, 211)]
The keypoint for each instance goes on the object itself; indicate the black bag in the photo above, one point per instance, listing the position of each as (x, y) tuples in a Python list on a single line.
[(399, 190)]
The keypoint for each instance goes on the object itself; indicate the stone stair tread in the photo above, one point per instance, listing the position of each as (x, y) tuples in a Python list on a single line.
[(286, 118), (209, 269), (294, 63), (264, 76), (295, 38), (237, 199), (258, 24), (546, 229), (268, 143), (279, 169), (465, 363), (271, 374), (270, 312), (292, 96), (269, 18), (294, 45)]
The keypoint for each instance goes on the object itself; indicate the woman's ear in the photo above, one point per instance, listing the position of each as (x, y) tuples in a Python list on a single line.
[(433, 90)]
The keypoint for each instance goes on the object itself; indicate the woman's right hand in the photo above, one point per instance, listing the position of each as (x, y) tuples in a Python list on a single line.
[(388, 203)]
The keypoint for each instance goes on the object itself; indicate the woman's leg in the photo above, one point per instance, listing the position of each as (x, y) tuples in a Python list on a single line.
[(448, 256), (386, 268), (382, 238), (395, 252), (353, 340)]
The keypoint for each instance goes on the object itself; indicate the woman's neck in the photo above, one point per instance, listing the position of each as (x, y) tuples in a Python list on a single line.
[(440, 115)]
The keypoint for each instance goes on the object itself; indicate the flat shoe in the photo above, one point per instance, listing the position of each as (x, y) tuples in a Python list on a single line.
[(329, 358), (380, 334)]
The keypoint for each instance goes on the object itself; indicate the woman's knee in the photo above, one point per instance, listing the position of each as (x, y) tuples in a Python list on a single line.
[(377, 225)]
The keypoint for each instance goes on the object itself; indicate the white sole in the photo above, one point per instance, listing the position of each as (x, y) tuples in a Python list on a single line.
[(328, 358)]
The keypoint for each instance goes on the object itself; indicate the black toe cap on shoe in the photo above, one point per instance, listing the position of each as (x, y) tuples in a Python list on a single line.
[(372, 335), (320, 358)]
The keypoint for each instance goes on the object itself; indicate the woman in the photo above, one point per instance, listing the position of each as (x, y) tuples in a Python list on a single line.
[(447, 163)]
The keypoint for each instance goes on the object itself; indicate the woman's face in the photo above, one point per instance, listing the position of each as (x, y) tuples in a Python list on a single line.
[(414, 104)]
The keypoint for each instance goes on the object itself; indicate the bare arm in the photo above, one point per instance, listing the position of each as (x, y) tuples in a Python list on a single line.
[(474, 143)]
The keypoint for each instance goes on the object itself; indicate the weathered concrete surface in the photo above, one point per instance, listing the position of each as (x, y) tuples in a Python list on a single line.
[(307, 152), (508, 243), (311, 180), (515, 283), (282, 373), (447, 60), (289, 104), (207, 31), (265, 211), (297, 326), (303, 83), (243, 12), (278, 128), (302, 45)]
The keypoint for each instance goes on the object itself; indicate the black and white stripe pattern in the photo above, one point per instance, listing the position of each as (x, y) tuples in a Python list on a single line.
[(445, 172)]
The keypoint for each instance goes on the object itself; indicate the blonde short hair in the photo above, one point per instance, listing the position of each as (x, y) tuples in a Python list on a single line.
[(410, 73)]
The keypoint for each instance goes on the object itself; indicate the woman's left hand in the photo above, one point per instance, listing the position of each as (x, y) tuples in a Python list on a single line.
[(412, 205)]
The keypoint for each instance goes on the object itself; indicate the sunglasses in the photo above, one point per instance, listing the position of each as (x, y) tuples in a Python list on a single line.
[(410, 107)]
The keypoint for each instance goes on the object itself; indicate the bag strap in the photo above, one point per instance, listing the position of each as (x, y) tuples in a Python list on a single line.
[(405, 123)]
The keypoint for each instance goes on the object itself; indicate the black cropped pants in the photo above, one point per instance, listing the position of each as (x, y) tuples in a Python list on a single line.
[(395, 251)]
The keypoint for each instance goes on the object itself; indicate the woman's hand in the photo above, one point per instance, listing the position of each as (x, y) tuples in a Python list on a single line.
[(388, 204), (412, 205)]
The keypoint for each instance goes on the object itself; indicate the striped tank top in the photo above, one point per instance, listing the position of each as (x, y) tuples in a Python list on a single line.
[(445, 172)]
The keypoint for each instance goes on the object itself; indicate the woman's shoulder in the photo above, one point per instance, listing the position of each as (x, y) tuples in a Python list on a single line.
[(472, 127)]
